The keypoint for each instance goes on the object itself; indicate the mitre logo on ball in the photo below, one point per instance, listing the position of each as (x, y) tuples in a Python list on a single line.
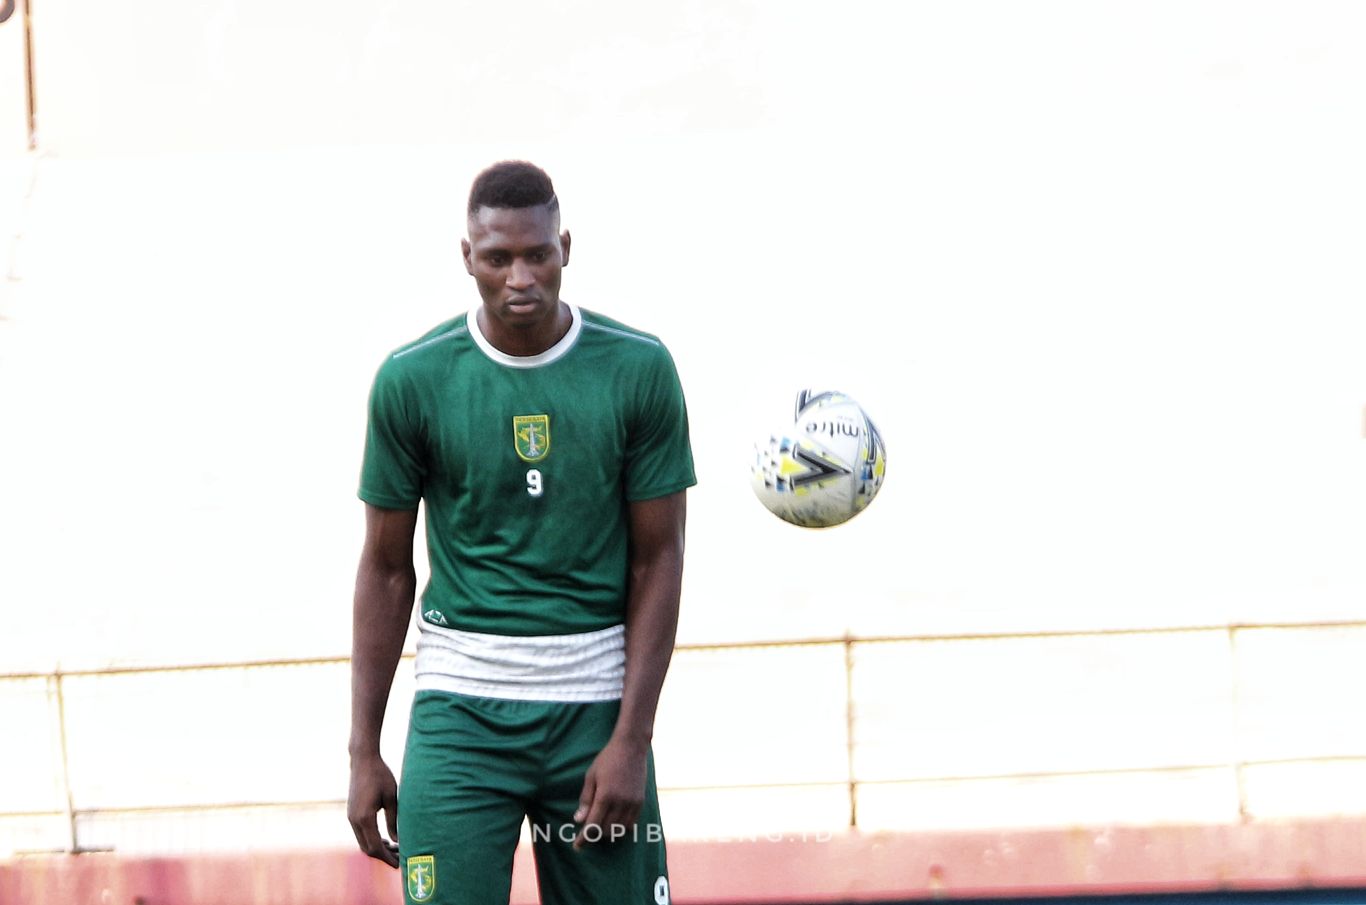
[(824, 468)]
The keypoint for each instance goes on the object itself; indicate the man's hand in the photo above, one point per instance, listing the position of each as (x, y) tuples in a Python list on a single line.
[(373, 789), (613, 792)]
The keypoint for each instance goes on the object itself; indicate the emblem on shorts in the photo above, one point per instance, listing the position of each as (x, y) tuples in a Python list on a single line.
[(421, 877), (531, 434)]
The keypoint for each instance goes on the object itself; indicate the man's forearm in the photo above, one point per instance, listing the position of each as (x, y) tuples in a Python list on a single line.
[(383, 605), (651, 626)]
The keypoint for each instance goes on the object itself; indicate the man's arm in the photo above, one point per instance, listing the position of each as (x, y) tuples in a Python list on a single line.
[(614, 788), (386, 583)]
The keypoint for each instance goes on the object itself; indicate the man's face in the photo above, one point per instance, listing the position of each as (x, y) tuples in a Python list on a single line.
[(515, 256)]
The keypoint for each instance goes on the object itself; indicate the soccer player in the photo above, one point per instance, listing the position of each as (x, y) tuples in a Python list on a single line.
[(550, 447)]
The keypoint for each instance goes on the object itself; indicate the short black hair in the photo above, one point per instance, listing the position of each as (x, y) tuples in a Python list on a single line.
[(512, 183)]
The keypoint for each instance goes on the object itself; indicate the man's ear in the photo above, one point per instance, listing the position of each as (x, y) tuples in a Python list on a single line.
[(564, 248), (466, 253)]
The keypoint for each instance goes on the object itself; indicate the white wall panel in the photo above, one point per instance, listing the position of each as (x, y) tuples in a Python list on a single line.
[(743, 814), (946, 709), (45, 833), (753, 716), (1299, 692), (1318, 789), (274, 734), (1136, 799), (30, 755), (239, 829)]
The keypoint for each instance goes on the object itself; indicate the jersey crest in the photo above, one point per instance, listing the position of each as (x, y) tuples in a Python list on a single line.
[(421, 877), (531, 436)]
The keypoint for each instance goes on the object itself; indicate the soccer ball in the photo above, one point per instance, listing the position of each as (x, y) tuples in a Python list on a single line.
[(824, 468)]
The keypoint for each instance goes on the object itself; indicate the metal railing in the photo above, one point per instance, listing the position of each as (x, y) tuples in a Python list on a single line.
[(70, 815)]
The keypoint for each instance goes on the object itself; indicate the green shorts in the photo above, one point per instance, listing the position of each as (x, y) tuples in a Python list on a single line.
[(475, 768)]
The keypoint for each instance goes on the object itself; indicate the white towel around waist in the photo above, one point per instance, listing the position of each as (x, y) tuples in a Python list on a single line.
[(581, 667)]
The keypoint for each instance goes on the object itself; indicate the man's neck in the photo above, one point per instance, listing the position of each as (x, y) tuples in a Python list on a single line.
[(533, 340)]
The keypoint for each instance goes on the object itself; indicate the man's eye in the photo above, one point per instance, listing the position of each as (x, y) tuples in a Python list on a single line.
[(497, 260), (539, 257)]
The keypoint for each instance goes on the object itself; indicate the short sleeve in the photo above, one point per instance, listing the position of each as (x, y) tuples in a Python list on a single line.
[(659, 451), (394, 469)]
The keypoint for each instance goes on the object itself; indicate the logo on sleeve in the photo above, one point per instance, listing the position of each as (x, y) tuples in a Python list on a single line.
[(531, 435), (421, 877)]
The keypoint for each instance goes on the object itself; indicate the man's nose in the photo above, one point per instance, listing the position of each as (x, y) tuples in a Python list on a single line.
[(520, 276)]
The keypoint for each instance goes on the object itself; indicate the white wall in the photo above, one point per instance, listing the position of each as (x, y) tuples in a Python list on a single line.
[(1092, 267)]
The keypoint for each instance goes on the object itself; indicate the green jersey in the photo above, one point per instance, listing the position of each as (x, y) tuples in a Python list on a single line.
[(526, 466)]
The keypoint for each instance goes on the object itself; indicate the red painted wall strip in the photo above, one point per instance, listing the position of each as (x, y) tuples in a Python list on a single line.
[(852, 867)]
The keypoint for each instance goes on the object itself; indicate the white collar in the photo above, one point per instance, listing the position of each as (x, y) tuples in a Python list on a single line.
[(555, 352)]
